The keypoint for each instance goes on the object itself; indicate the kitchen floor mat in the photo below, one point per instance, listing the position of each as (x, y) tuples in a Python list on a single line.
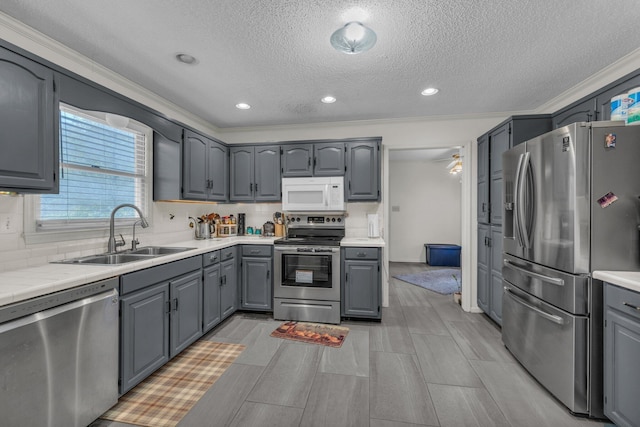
[(313, 333), (443, 280), (167, 395)]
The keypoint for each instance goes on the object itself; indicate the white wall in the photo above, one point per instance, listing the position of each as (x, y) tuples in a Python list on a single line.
[(427, 198)]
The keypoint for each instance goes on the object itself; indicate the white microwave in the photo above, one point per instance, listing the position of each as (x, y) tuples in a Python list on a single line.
[(313, 194)]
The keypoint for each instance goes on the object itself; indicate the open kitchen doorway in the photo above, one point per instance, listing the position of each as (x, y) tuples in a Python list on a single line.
[(425, 204)]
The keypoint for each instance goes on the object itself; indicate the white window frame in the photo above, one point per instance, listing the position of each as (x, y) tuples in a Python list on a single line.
[(90, 228)]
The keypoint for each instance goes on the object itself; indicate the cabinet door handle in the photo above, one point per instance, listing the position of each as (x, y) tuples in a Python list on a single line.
[(167, 306), (309, 163), (635, 307), (315, 161), (175, 301), (256, 187), (251, 187), (484, 207), (268, 274)]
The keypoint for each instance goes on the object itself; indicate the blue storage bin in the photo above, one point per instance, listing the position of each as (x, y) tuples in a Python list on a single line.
[(443, 255)]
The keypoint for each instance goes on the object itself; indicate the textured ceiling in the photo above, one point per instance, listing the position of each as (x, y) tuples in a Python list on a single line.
[(485, 56)]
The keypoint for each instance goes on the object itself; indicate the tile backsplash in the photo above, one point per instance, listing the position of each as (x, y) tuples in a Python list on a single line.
[(169, 224)]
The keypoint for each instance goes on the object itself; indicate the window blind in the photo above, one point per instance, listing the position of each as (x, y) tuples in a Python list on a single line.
[(101, 166)]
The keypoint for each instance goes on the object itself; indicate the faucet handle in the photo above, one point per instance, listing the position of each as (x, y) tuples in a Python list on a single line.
[(121, 242)]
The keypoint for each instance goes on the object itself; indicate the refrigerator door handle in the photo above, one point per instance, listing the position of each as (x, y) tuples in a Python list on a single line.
[(552, 280), (551, 317), (516, 198), (522, 201)]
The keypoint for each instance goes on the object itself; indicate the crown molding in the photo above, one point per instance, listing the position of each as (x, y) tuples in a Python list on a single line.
[(25, 37), (625, 65)]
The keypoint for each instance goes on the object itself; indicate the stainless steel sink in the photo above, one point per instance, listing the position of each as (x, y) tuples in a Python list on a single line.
[(158, 250), (139, 254), (106, 259)]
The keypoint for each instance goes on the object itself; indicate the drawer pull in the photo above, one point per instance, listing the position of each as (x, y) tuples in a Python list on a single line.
[(635, 307), (255, 251), (552, 280), (551, 317), (362, 254)]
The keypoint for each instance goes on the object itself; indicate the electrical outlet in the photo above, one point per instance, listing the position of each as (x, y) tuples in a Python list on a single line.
[(6, 224)]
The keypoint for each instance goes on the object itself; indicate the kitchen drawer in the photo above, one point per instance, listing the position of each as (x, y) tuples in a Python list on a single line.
[(210, 258), (227, 253), (361, 253), (257, 250), (150, 276), (622, 299)]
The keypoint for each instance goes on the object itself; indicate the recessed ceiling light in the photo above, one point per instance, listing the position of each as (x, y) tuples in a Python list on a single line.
[(430, 91), (243, 106), (185, 58), (328, 99)]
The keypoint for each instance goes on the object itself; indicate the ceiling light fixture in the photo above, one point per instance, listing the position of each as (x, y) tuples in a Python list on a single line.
[(243, 106), (328, 99), (455, 166), (185, 58), (430, 91), (353, 38)]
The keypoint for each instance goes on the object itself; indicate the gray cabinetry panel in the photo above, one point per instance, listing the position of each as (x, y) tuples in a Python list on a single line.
[(484, 257), (257, 277), (186, 315), (167, 168), (361, 284), (242, 173), (296, 160), (228, 287), (268, 186), (194, 180), (582, 112), (483, 179), (211, 314), (362, 181), (621, 355), (328, 159), (204, 168), (144, 334), (495, 304), (28, 126)]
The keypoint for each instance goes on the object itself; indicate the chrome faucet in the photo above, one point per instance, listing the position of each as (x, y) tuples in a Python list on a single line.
[(113, 245)]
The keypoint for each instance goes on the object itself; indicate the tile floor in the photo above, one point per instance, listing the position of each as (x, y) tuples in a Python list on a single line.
[(427, 363)]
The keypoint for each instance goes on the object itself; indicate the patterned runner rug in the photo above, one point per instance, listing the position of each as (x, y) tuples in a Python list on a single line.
[(167, 395), (314, 333)]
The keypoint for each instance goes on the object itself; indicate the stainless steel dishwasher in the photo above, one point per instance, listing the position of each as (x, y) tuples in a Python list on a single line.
[(59, 357)]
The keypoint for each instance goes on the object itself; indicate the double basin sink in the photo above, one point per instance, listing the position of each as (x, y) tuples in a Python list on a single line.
[(139, 254)]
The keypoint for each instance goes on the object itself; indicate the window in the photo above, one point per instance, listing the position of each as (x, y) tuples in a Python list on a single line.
[(102, 165)]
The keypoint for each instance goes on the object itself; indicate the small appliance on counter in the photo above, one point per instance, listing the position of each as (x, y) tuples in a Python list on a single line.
[(203, 228), (373, 225), (269, 229)]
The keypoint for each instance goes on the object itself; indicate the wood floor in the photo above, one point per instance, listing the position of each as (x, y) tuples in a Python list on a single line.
[(427, 363)]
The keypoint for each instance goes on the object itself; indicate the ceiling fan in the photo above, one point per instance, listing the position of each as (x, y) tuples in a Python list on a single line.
[(455, 163)]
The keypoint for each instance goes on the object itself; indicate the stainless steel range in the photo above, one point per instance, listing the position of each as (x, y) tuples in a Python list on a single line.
[(307, 269)]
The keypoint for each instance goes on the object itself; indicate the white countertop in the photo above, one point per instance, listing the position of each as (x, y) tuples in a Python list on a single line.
[(376, 242), (625, 279), (19, 285)]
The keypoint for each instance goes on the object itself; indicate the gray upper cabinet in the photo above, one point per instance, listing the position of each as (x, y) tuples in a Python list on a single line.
[(255, 173), (205, 173), (297, 160), (328, 159), (483, 179), (28, 126), (584, 111), (362, 181), (313, 159)]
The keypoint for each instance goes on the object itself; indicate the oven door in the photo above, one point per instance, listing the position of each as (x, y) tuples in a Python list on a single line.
[(308, 272)]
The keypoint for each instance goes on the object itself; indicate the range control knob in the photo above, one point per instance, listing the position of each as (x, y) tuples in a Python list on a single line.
[(298, 219), (339, 219), (333, 220)]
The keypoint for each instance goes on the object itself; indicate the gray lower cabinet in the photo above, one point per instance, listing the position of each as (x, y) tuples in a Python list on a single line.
[(362, 180), (621, 355), (228, 282), (361, 282), (257, 277), (484, 266), (255, 173), (28, 126), (160, 315), (211, 284)]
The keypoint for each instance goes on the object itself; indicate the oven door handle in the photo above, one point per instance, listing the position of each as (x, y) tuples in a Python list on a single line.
[(551, 317), (552, 280)]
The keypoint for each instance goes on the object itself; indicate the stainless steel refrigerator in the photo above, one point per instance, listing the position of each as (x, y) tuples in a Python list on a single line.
[(571, 206)]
